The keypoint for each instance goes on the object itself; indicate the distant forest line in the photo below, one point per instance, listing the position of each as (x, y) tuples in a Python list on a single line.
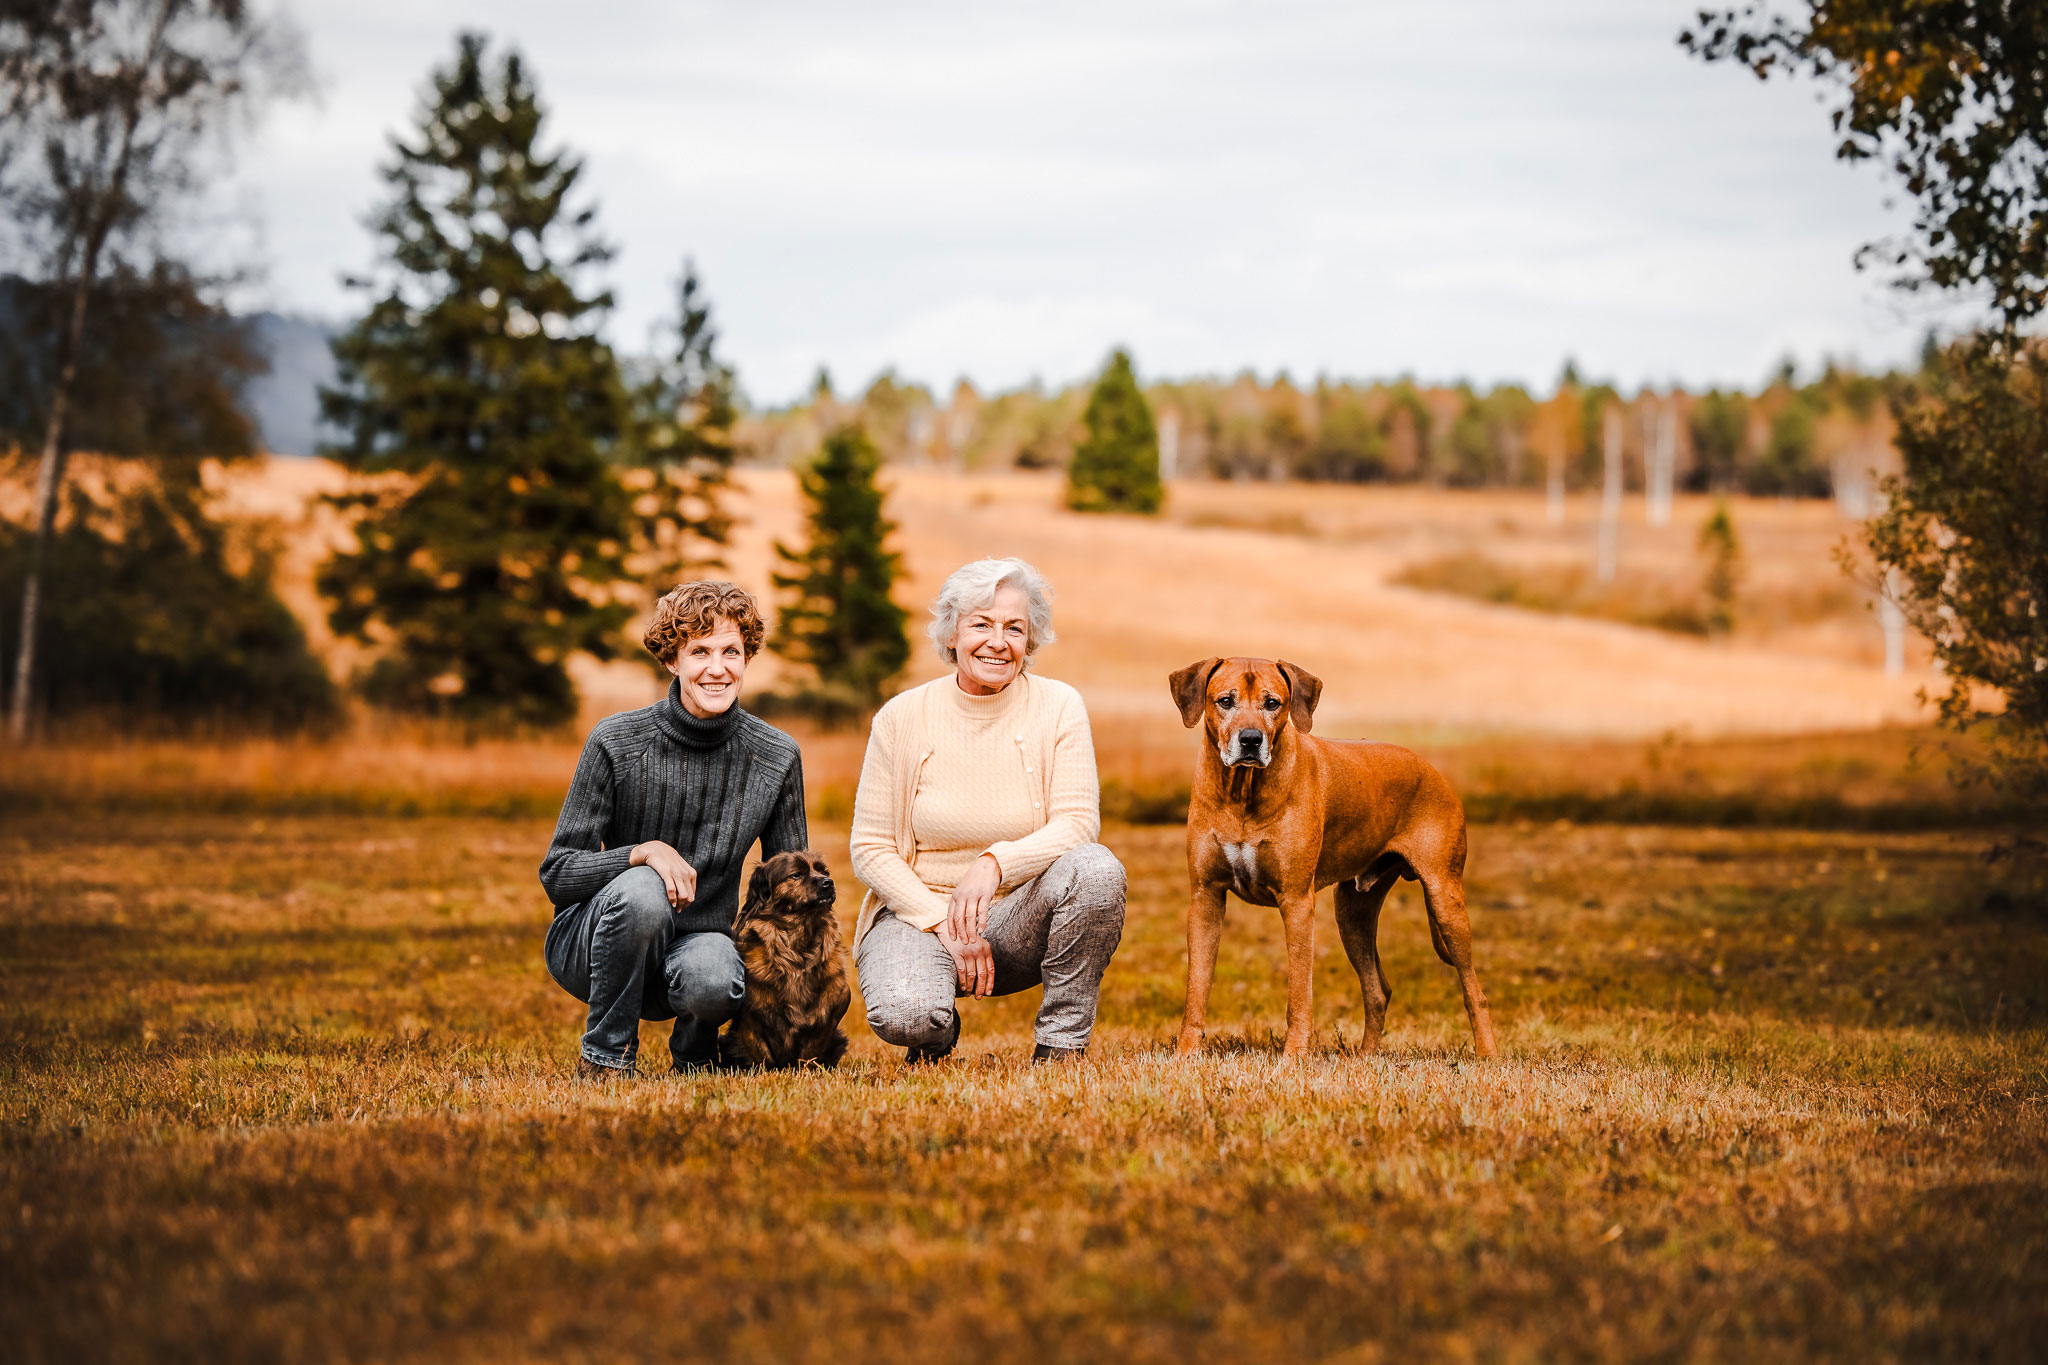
[(1825, 437)]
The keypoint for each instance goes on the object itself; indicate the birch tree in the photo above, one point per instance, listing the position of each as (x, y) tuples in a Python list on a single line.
[(108, 111)]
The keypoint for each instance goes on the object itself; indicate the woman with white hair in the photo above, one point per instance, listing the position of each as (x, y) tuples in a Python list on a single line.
[(974, 830)]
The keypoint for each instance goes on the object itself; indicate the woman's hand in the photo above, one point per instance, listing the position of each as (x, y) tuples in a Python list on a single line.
[(974, 962), (967, 913), (676, 875), (966, 926)]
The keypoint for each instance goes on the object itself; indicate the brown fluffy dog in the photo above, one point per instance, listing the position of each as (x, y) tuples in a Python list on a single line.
[(1279, 813), (788, 938)]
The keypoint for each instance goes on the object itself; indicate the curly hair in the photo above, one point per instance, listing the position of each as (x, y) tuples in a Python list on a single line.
[(692, 609)]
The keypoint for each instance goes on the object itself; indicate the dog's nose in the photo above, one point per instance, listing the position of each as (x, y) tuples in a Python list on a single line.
[(827, 891), (1248, 740)]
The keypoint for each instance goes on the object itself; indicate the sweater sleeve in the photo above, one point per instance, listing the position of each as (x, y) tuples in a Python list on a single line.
[(788, 830), (578, 865), (875, 860), (1075, 817)]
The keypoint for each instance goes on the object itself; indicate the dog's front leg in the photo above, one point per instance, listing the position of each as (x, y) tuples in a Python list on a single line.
[(1205, 926), (1298, 914)]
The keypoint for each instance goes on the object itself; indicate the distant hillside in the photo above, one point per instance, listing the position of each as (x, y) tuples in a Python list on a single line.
[(286, 401)]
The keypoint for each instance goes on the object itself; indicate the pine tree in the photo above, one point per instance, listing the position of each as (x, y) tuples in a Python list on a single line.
[(1116, 468), (482, 411), (1723, 553), (682, 445), (839, 617)]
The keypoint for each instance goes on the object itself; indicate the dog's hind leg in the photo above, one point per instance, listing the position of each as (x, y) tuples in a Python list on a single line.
[(1205, 926), (1450, 930), (1358, 924)]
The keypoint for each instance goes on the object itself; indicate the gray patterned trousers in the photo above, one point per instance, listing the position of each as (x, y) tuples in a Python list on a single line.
[(1059, 928)]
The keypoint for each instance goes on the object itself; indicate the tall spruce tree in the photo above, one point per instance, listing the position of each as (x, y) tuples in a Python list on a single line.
[(839, 617), (483, 412), (682, 446), (1116, 467)]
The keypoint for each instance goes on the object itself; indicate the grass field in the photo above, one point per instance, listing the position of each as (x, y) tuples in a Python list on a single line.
[(295, 1088), (282, 1076), (1308, 571)]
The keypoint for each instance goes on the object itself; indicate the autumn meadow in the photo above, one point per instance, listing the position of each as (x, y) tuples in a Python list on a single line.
[(1641, 412), (285, 1078)]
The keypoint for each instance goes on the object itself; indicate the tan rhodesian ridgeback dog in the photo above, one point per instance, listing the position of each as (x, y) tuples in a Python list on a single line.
[(1278, 815)]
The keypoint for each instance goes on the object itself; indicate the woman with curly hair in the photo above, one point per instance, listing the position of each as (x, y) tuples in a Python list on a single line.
[(644, 871)]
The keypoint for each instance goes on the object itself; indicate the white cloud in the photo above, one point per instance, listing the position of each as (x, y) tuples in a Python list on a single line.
[(1474, 188)]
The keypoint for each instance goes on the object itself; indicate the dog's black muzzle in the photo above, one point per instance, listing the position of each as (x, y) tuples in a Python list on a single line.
[(1248, 747), (825, 891)]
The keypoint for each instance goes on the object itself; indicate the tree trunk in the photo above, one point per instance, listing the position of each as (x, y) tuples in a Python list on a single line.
[(1610, 496), (49, 480), (1660, 459), (1893, 619), (50, 472)]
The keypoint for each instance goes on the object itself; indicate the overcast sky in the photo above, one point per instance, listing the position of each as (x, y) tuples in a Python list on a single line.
[(1457, 189)]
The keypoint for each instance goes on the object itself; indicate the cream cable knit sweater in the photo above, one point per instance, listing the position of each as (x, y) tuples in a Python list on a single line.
[(949, 777)]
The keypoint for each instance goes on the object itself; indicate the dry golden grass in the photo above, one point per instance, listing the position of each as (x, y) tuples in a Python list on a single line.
[(282, 1075), (1883, 779), (1794, 598), (295, 1088), (1139, 597), (1305, 571)]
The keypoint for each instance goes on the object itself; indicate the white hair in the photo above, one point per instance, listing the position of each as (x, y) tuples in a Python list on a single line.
[(973, 586)]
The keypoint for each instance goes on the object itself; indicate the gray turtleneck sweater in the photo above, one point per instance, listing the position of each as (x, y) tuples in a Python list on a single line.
[(707, 788)]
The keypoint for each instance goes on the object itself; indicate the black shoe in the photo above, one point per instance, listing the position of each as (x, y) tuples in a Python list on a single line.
[(587, 1070), (925, 1056), (1043, 1054)]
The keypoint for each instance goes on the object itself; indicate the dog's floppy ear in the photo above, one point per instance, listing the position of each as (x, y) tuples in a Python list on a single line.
[(760, 887), (1191, 689), (1303, 690)]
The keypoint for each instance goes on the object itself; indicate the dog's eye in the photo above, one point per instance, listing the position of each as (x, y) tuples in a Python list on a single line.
[(1272, 703), (1225, 702)]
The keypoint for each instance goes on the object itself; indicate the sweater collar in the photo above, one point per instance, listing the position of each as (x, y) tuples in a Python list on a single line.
[(983, 708), (675, 721)]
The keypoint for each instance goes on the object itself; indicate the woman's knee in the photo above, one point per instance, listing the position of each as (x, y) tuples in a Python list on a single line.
[(638, 904), (706, 979), (906, 985), (913, 1023), (1095, 878), (905, 1012)]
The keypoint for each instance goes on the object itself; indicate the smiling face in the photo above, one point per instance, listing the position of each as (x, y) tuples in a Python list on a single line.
[(710, 669), (1245, 703), (992, 642)]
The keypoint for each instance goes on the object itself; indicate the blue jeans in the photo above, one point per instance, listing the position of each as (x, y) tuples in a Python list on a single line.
[(621, 953)]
